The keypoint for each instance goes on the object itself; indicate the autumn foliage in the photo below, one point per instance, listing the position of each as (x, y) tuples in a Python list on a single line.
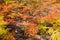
[(34, 16)]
